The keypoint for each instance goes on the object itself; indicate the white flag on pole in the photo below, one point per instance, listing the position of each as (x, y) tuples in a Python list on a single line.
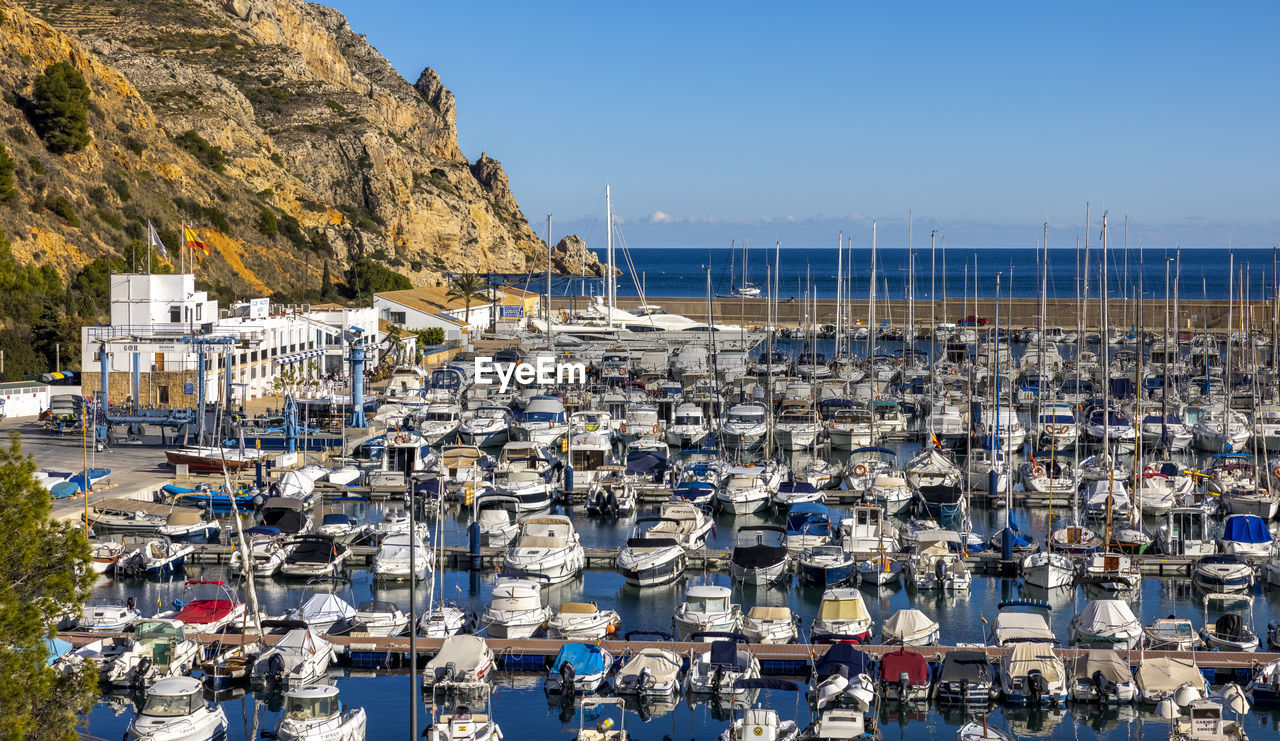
[(154, 237)]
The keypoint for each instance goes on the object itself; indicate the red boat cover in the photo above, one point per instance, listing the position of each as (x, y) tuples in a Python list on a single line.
[(894, 665), (203, 611)]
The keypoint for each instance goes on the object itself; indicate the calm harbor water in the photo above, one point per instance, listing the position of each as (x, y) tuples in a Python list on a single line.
[(677, 271)]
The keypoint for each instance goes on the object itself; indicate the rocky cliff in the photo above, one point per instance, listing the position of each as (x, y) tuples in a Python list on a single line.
[(270, 125)]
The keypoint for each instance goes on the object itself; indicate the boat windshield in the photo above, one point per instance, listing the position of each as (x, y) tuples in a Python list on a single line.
[(172, 706), (689, 419), (747, 418), (708, 604), (312, 708)]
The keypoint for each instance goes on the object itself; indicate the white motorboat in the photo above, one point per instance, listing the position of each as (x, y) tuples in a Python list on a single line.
[(1114, 572), (716, 671), (378, 618), (444, 620), (865, 531), (1161, 678), (498, 526), (1171, 634), (547, 548), (843, 612), (1108, 623), (300, 657), (744, 426), (175, 710), (311, 556), (323, 613), (313, 713), (652, 557), (462, 661), (543, 421), (438, 423), (686, 523), (582, 621), (516, 610), (1222, 573), (765, 624), (760, 555), (1048, 570), (1187, 531), (748, 488), (1246, 535), (267, 552), (706, 608), (1101, 675), (689, 428), (487, 426), (157, 557), (578, 668), (105, 615), (399, 556), (1033, 675), (651, 673), (909, 627), (158, 649), (1232, 631)]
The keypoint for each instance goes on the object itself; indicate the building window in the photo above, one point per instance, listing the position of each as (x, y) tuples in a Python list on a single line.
[(397, 317), (164, 394), (175, 314), (198, 308)]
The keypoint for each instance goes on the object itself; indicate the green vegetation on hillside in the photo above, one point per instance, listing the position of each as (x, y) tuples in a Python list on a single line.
[(367, 277), (60, 108), (44, 571)]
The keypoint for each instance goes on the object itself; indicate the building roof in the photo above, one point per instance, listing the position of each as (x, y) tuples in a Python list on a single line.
[(518, 292), (427, 299)]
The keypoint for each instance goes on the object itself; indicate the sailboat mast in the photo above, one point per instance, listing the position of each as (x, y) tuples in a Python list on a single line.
[(871, 310), (609, 281), (839, 287)]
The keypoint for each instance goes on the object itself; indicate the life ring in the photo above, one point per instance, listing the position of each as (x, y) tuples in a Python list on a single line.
[(624, 426), (1276, 471), (655, 428), (401, 439), (860, 470), (1037, 470), (955, 371)]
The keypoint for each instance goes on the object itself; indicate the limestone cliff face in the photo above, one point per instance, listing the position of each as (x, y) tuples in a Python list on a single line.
[(319, 132)]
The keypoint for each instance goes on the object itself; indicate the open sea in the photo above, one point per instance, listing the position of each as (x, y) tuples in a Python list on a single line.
[(680, 272)]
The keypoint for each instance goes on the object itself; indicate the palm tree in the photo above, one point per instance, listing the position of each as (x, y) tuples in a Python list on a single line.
[(467, 288)]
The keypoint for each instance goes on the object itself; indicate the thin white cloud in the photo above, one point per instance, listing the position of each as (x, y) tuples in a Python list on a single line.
[(660, 217)]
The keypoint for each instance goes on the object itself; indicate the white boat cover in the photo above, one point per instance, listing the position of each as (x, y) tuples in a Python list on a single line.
[(763, 612), (296, 484), (1026, 657), (1022, 626), (1113, 668), (1104, 616), (663, 665), (325, 607), (1167, 674), (468, 653), (907, 625)]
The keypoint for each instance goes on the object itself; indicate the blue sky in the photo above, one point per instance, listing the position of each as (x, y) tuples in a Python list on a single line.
[(719, 121)]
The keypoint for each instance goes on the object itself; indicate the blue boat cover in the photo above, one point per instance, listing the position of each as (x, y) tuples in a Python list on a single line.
[(338, 518), (765, 684), (57, 648), (263, 530), (882, 451), (724, 653), (1246, 529), (844, 654), (646, 462), (585, 658), (799, 487)]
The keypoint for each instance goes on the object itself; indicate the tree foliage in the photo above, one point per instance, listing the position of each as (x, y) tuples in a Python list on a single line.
[(467, 288), (44, 572), (367, 277), (210, 155), (431, 336), (60, 108), (7, 191)]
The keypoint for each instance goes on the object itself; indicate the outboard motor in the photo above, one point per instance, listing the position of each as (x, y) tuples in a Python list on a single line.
[(613, 502), (275, 669), (140, 672), (717, 678), (446, 673), (1099, 684), (964, 690), (904, 683), (940, 570), (646, 678), (131, 603), (567, 675), (1037, 687)]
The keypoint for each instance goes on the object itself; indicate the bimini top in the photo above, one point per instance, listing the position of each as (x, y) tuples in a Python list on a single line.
[(1245, 529), (585, 658)]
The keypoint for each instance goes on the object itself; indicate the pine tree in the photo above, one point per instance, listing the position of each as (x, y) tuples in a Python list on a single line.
[(60, 108)]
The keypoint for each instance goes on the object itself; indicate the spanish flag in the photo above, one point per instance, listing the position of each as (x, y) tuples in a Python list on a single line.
[(193, 240)]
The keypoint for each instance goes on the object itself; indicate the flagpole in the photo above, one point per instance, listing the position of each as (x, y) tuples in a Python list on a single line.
[(182, 247), (150, 231)]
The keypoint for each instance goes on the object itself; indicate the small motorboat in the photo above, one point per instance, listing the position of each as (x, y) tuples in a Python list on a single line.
[(966, 678), (826, 566), (463, 661), (159, 648), (579, 667), (756, 722), (1231, 631), (880, 570), (106, 555), (1032, 674), (1108, 623), (582, 621), (843, 676), (975, 731), (208, 614), (1225, 572), (378, 618), (1160, 678), (905, 676), (843, 612), (760, 555), (267, 552), (105, 615), (156, 557), (516, 609), (312, 712), (764, 624), (399, 557), (1172, 634), (323, 613), (314, 555), (651, 556), (651, 673), (706, 608), (547, 548), (188, 525), (716, 671), (462, 724), (1102, 676), (298, 658), (909, 627), (175, 708)]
